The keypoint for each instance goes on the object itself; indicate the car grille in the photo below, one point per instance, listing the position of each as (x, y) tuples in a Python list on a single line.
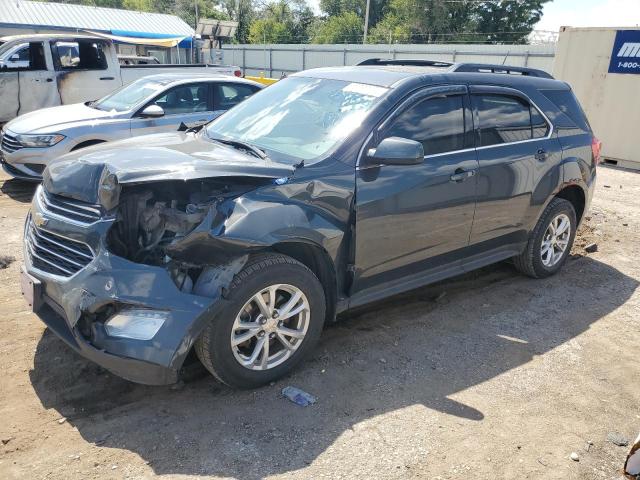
[(69, 208), (9, 143), (55, 254)]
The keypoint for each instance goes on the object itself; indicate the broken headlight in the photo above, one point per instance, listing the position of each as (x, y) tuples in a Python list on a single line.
[(137, 324)]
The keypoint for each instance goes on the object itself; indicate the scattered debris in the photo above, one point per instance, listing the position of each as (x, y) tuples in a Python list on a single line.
[(632, 465), (62, 420), (440, 297), (6, 260), (6, 440), (607, 186), (299, 397), (383, 360), (591, 248), (618, 439), (542, 463), (574, 456)]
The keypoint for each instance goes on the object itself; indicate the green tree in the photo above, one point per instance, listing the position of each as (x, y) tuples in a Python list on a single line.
[(344, 28), (284, 21), (506, 21)]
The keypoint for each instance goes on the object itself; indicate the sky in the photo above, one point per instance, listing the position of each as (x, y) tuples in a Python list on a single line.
[(580, 13)]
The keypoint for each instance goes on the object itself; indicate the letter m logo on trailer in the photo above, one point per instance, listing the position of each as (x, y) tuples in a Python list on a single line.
[(625, 55)]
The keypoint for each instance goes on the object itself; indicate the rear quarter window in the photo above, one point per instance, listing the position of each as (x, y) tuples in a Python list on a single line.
[(568, 104)]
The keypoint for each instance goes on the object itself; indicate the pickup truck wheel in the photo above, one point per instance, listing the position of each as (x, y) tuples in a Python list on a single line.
[(550, 242), (272, 319)]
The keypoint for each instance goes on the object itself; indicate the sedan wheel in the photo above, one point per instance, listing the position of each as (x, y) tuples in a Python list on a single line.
[(555, 240)]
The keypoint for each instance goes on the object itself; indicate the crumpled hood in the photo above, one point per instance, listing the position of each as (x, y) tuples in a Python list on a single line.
[(55, 119), (151, 158)]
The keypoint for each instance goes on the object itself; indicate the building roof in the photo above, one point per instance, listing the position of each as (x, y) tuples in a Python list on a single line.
[(82, 17)]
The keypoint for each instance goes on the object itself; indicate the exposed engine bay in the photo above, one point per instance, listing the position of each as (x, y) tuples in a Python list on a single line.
[(151, 218)]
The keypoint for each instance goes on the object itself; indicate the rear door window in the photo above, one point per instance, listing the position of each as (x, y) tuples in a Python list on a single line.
[(507, 119), (27, 56), (80, 55), (185, 99), (228, 95), (438, 123)]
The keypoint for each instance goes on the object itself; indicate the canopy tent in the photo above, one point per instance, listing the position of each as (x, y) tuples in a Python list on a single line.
[(140, 38)]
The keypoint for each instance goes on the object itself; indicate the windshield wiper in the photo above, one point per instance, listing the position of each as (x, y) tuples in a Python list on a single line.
[(258, 152)]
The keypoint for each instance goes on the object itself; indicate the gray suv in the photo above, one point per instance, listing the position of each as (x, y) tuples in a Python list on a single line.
[(331, 189)]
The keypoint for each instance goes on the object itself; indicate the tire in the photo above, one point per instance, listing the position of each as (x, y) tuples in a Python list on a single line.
[(214, 346), (530, 262)]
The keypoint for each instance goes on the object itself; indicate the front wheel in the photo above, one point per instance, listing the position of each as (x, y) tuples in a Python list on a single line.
[(550, 242), (272, 320)]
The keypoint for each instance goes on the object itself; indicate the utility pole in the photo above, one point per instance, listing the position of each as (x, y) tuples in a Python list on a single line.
[(366, 22)]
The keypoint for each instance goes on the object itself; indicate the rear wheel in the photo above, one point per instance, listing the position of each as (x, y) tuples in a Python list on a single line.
[(550, 241), (272, 320)]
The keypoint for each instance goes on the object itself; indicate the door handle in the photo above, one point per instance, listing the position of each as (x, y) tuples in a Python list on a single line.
[(461, 175), (107, 78), (541, 155), (49, 79)]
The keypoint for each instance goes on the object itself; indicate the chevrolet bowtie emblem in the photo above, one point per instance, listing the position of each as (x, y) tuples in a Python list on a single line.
[(39, 220)]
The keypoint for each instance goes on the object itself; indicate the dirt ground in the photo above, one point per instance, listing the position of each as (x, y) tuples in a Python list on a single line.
[(489, 376)]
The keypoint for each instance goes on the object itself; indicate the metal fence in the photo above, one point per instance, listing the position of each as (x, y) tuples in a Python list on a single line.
[(277, 60)]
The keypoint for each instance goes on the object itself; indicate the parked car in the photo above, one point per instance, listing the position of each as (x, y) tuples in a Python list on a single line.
[(45, 70), (331, 189), (158, 103)]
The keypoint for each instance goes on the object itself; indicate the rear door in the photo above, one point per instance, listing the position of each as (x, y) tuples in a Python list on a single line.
[(517, 153), (38, 83), (190, 104), (411, 219), (85, 69)]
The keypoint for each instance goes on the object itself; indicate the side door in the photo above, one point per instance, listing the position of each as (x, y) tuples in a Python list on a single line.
[(85, 69), (190, 104), (228, 95), (517, 152), (37, 80), (412, 219)]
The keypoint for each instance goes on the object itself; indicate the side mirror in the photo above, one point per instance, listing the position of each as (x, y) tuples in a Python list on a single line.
[(397, 151), (153, 111)]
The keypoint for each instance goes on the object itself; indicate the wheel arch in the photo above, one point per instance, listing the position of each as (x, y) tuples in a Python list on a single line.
[(576, 196), (318, 260), (87, 143)]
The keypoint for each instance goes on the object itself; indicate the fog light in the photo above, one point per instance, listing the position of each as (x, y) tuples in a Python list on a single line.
[(136, 324)]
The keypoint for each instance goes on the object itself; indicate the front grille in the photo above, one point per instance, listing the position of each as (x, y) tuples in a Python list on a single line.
[(9, 143), (69, 208), (55, 254)]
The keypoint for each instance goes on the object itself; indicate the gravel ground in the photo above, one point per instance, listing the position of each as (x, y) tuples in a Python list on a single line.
[(488, 376)]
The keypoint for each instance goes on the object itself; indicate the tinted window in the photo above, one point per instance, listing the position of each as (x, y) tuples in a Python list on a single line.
[(185, 99), (539, 126), (566, 101), (437, 123), (505, 119), (228, 94), (80, 55)]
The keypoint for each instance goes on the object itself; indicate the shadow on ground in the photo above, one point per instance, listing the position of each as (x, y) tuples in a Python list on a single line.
[(19, 190), (409, 350)]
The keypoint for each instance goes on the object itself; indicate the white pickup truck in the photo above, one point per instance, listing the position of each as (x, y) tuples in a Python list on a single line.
[(38, 71)]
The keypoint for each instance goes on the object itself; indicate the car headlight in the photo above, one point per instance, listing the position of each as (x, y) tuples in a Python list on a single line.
[(39, 141), (137, 324)]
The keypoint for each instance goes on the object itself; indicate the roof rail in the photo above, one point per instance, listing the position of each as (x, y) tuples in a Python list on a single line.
[(503, 69), (458, 67), (404, 62)]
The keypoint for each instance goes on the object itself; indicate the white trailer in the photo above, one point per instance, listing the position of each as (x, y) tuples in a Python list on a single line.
[(602, 65)]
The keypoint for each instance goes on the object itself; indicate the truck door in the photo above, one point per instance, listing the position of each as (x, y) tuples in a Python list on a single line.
[(85, 69), (27, 84), (412, 219)]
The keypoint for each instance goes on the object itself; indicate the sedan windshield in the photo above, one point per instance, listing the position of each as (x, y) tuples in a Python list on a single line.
[(301, 118), (127, 97)]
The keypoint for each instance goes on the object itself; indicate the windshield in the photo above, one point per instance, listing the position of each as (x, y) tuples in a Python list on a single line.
[(302, 118), (129, 96)]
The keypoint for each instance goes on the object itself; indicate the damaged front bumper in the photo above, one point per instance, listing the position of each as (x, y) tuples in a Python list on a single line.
[(73, 305)]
